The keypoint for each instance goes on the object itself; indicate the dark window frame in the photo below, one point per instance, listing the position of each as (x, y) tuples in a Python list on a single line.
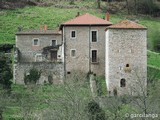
[(94, 36), (123, 82), (73, 54), (52, 42), (73, 34), (127, 65), (94, 56), (37, 42)]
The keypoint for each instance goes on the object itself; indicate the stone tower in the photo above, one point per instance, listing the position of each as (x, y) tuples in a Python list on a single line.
[(126, 58)]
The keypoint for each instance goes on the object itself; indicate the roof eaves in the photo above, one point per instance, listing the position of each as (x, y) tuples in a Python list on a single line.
[(84, 25), (38, 33), (145, 28)]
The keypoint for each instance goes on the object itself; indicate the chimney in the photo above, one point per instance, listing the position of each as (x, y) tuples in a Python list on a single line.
[(78, 14), (107, 16), (40, 27), (45, 27)]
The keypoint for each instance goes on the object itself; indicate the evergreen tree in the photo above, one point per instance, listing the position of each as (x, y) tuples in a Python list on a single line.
[(5, 71)]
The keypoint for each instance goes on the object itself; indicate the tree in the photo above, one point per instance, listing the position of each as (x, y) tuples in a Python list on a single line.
[(127, 5), (5, 71), (71, 2), (94, 111), (156, 41), (98, 4), (32, 77)]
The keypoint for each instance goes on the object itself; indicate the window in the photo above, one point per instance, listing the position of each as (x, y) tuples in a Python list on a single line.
[(53, 54), (73, 34), (68, 72), (94, 56), (127, 68), (123, 82), (36, 42), (127, 65), (38, 57), (73, 53), (94, 36), (54, 43)]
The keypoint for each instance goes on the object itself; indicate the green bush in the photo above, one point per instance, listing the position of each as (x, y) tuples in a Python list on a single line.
[(95, 112), (5, 71), (50, 79), (32, 77), (156, 41), (148, 7), (101, 86)]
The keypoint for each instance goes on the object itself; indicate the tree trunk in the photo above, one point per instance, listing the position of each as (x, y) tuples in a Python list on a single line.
[(127, 5), (98, 4), (135, 4)]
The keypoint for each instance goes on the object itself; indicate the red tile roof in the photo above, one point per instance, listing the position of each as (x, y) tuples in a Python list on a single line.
[(87, 19), (127, 24)]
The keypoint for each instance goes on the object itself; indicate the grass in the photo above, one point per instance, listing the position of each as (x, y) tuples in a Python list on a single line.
[(32, 17), (153, 74), (23, 101), (153, 59)]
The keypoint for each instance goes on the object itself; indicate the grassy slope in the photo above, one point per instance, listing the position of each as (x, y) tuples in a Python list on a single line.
[(32, 17), (153, 64), (24, 101), (154, 59)]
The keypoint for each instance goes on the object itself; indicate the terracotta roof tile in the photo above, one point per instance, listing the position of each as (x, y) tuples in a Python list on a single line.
[(87, 19), (127, 24)]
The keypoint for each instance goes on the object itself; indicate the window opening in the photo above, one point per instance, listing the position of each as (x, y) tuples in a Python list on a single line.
[(94, 56), (123, 82), (53, 42), (127, 65), (73, 34), (94, 36), (35, 42), (73, 53)]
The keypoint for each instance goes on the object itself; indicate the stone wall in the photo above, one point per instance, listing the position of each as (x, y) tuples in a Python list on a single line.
[(56, 70), (126, 46), (28, 52)]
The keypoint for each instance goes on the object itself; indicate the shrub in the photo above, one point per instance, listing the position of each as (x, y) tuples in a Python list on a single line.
[(148, 7), (32, 77), (156, 41), (50, 79), (95, 112), (5, 72)]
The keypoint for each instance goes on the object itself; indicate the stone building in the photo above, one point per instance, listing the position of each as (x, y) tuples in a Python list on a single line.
[(84, 44), (41, 49), (126, 58), (88, 44)]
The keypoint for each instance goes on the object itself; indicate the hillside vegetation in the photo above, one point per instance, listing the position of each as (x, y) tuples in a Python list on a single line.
[(64, 102), (32, 17)]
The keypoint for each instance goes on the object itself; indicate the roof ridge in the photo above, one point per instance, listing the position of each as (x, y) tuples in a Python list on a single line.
[(86, 19), (127, 24)]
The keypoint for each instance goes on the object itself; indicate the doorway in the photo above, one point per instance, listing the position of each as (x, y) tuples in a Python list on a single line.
[(53, 55)]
